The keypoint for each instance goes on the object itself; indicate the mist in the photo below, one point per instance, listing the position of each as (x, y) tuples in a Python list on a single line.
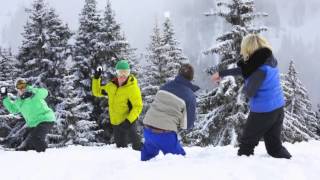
[(293, 29)]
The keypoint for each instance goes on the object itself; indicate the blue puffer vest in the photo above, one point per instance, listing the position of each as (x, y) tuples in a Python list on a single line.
[(269, 96)]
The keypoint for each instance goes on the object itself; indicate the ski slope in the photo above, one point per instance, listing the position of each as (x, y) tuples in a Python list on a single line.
[(110, 163)]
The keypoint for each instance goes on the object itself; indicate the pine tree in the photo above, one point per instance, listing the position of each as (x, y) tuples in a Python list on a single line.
[(73, 126), (7, 74), (223, 111), (32, 52), (114, 45), (164, 58), (59, 51), (171, 54), (318, 112), (43, 53), (86, 45), (318, 117), (300, 121), (154, 69), (86, 51), (8, 67), (110, 40)]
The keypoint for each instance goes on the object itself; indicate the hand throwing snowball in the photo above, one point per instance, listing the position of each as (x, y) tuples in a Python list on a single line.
[(173, 108)]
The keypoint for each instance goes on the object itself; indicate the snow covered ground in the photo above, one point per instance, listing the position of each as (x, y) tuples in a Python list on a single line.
[(110, 163)]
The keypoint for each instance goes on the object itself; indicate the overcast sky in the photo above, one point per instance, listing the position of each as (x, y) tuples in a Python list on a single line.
[(294, 28)]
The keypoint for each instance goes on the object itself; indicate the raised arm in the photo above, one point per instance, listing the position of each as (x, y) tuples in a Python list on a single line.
[(230, 72), (11, 106), (38, 93), (216, 77), (97, 89)]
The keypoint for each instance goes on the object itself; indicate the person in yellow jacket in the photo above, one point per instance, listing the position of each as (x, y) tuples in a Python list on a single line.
[(125, 103)]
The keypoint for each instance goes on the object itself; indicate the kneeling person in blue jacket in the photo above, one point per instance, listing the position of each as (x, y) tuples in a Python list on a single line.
[(173, 108)]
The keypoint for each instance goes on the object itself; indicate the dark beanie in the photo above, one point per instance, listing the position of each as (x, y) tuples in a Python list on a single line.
[(186, 71)]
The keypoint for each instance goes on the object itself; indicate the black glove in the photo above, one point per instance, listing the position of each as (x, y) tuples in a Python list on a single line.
[(26, 94), (98, 72), (3, 91), (126, 124)]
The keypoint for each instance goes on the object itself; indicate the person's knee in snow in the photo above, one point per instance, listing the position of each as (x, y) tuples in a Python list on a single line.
[(174, 107)]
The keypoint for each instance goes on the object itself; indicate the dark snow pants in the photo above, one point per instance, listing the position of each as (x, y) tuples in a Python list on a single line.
[(267, 125), (123, 136), (36, 138)]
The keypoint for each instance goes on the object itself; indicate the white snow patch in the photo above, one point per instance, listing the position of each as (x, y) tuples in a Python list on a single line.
[(108, 162), (167, 14)]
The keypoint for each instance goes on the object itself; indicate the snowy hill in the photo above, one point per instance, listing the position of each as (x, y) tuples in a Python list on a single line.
[(108, 162)]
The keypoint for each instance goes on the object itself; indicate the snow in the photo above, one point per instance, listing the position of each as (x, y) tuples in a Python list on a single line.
[(108, 162), (167, 14)]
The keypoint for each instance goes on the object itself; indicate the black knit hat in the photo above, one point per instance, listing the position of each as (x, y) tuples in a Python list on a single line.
[(186, 71)]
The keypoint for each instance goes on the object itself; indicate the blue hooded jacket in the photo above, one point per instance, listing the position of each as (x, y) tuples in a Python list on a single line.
[(184, 89), (262, 81)]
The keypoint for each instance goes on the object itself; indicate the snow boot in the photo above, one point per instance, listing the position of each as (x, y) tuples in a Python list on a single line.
[(282, 153)]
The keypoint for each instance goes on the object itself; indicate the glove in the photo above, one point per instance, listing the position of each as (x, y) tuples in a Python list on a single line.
[(98, 72), (27, 94), (126, 124), (3, 91)]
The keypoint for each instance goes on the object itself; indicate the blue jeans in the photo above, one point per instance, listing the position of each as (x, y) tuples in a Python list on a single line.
[(166, 142)]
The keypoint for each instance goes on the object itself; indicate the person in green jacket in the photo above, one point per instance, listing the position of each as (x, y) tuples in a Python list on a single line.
[(125, 103), (31, 104)]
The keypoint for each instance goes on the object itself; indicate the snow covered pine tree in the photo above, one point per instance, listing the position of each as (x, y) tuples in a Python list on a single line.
[(85, 57), (43, 54), (44, 51), (172, 54), (164, 58), (300, 123), (153, 71), (318, 112), (223, 111), (74, 125), (8, 122)]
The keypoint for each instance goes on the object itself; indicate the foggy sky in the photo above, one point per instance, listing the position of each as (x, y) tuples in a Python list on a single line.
[(293, 29)]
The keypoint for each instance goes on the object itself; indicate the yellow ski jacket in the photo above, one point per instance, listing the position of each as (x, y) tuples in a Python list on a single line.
[(125, 102)]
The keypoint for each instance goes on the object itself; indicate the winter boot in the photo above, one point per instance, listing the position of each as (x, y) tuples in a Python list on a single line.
[(246, 149), (282, 153)]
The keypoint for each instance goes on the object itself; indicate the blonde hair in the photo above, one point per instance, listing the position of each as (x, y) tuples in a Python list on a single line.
[(251, 43), (20, 83)]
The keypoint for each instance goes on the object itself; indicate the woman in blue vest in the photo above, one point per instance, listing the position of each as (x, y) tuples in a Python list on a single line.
[(266, 100)]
